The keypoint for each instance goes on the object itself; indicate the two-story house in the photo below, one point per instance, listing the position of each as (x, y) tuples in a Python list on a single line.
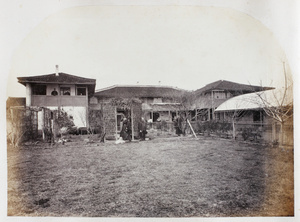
[(60, 91), (209, 97), (159, 103)]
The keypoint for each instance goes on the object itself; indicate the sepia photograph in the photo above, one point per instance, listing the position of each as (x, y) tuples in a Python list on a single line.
[(134, 110)]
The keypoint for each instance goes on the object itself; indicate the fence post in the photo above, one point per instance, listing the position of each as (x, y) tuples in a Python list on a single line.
[(273, 132), (43, 123), (233, 130)]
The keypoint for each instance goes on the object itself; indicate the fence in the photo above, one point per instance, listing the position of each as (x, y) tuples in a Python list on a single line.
[(244, 131)]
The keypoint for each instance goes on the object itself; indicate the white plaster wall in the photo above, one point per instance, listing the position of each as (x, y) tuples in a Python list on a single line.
[(78, 113)]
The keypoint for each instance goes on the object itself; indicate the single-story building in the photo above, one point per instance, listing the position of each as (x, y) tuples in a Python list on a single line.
[(259, 110)]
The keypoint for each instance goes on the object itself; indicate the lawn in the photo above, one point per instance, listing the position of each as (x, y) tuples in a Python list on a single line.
[(163, 177)]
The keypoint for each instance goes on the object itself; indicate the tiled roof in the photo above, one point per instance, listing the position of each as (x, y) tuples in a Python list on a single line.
[(207, 103), (61, 78), (230, 86), (140, 92), (15, 101), (161, 107)]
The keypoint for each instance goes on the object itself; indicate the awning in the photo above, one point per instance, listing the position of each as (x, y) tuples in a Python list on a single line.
[(258, 100)]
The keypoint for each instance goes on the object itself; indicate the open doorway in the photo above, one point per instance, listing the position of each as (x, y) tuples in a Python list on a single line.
[(120, 116), (156, 117)]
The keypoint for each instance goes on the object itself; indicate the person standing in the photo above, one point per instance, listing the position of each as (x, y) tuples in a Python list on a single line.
[(176, 122), (126, 130), (142, 128)]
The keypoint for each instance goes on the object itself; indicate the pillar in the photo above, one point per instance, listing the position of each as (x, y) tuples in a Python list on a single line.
[(28, 94), (208, 113)]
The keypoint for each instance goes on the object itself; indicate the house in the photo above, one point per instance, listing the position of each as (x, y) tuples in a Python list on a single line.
[(209, 97), (154, 103), (158, 102), (60, 91), (249, 110)]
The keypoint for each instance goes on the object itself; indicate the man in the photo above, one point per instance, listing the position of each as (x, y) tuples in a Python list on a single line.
[(177, 125), (142, 127)]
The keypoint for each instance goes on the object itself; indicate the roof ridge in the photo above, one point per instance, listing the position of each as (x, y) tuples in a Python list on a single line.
[(53, 74), (139, 86)]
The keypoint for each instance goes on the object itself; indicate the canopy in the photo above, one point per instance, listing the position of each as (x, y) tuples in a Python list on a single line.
[(258, 100)]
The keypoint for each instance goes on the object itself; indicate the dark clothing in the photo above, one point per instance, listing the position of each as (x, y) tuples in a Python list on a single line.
[(177, 125), (126, 130), (142, 127)]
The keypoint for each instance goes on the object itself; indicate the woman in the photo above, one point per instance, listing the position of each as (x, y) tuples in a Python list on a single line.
[(126, 129)]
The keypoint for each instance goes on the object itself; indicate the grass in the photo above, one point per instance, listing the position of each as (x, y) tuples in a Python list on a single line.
[(167, 177)]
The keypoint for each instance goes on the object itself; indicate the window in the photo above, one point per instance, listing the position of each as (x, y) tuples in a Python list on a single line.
[(65, 91), (39, 90), (81, 91), (157, 100), (257, 116), (219, 95)]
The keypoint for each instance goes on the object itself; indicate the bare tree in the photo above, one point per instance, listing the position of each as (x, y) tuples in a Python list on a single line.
[(185, 103), (95, 118), (279, 104)]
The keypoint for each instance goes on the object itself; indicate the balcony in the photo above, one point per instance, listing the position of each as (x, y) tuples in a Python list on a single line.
[(59, 100)]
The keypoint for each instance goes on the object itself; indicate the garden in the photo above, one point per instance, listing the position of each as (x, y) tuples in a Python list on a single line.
[(162, 177)]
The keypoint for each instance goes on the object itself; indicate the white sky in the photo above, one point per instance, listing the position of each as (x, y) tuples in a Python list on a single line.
[(188, 47), (183, 46)]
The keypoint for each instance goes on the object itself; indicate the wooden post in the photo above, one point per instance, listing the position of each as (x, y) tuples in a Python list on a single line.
[(86, 109), (116, 123), (43, 123), (233, 130), (208, 113), (192, 128), (274, 131), (132, 128)]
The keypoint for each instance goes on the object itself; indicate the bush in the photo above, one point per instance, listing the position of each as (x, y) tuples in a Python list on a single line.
[(213, 127)]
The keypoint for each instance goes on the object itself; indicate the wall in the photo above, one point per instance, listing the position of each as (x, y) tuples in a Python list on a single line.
[(22, 124), (59, 100), (78, 113), (109, 116), (137, 115)]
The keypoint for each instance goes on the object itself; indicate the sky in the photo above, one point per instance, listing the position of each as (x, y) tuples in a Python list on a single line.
[(176, 45)]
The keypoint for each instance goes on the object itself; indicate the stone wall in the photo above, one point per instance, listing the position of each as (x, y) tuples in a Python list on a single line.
[(109, 118), (137, 115)]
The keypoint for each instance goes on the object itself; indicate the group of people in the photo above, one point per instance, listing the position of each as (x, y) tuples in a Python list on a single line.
[(126, 128), (126, 132)]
